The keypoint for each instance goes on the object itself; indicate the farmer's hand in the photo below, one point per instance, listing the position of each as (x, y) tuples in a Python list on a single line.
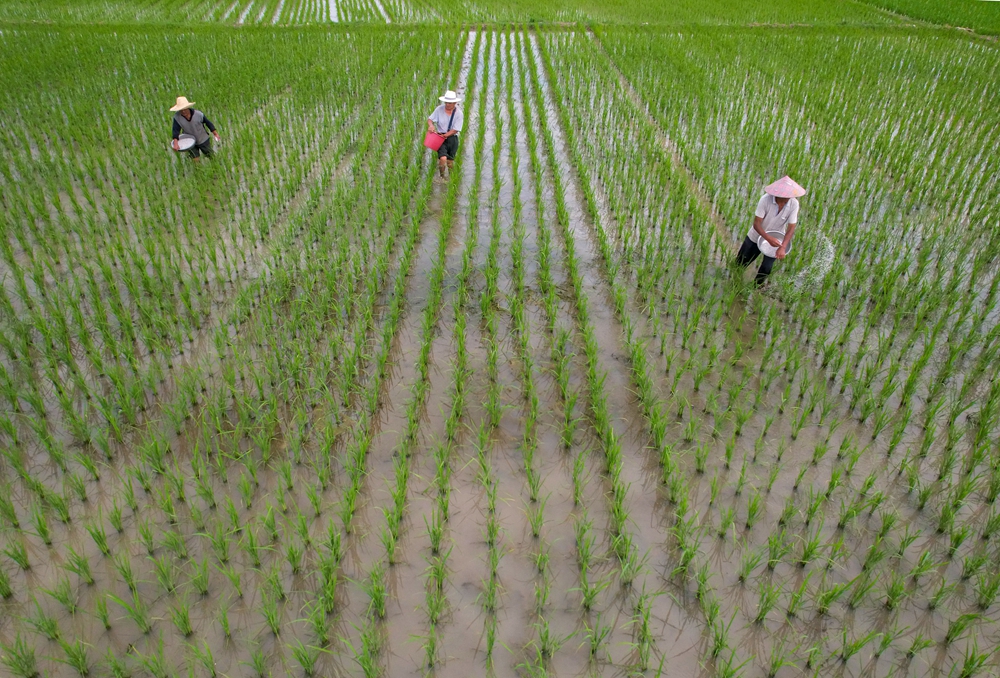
[(217, 138), (175, 145), (773, 242), (780, 254)]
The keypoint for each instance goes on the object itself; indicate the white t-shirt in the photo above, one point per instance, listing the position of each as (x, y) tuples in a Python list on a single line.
[(440, 119), (773, 219)]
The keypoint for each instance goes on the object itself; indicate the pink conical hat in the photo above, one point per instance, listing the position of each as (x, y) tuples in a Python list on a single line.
[(785, 188)]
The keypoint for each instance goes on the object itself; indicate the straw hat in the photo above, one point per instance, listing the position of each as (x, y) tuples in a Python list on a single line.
[(785, 188), (449, 98), (181, 104)]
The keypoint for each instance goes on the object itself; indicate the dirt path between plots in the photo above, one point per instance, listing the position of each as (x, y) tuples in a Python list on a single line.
[(694, 185)]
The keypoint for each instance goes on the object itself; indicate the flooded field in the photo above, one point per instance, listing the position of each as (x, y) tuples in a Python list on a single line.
[(307, 408)]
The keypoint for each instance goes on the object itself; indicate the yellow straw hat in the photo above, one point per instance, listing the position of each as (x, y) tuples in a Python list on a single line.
[(181, 104)]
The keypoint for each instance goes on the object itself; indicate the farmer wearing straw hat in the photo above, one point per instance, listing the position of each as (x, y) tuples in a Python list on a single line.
[(192, 122), (773, 225), (446, 120)]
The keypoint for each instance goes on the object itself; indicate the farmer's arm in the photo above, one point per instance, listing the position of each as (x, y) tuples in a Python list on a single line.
[(758, 225), (211, 127), (430, 124), (786, 243), (176, 130)]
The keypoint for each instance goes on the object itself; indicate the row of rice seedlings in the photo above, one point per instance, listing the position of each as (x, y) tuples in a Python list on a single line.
[(546, 642), (628, 559)]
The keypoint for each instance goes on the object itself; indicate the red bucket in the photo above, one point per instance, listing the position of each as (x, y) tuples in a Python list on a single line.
[(433, 140)]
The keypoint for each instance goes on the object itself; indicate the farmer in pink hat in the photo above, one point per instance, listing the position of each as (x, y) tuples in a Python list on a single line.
[(446, 120), (773, 225)]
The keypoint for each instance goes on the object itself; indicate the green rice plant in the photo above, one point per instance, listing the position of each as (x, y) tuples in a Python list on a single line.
[(307, 656), (779, 658), (958, 626), (156, 662), (44, 623), (895, 591), (828, 595), (777, 547), (199, 577), (863, 584), (906, 540), (798, 597), (973, 661), (875, 554), (136, 611), (767, 600), (116, 667), (41, 524), (535, 517), (166, 574), (6, 591), (987, 589), (727, 518), (755, 506), (101, 612), (849, 648), (924, 565), (16, 551), (377, 591), (123, 565), (19, 658), (971, 565), (224, 620), (271, 613), (918, 644), (749, 562), (146, 535), (100, 538), (233, 575), (203, 655), (75, 484), (58, 504), (957, 537), (76, 656), (596, 638), (728, 668), (258, 663), (64, 594)]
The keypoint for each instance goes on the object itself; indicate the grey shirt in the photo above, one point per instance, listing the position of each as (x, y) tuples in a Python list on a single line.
[(195, 126), (440, 119)]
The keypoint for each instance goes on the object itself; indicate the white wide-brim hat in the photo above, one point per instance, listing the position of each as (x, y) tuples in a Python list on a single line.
[(785, 188), (449, 98), (181, 104)]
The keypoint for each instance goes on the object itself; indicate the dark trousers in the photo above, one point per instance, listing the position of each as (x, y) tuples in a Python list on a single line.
[(746, 256), (449, 148), (199, 149)]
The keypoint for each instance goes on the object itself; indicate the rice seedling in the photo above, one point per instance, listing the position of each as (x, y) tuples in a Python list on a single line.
[(44, 623), (19, 658), (136, 611)]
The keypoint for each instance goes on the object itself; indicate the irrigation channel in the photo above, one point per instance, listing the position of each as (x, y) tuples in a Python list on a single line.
[(523, 421)]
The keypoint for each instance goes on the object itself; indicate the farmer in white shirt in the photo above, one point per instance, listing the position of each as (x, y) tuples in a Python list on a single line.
[(446, 120), (773, 225)]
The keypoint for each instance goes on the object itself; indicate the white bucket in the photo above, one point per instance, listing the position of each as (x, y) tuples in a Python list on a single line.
[(766, 249), (185, 142)]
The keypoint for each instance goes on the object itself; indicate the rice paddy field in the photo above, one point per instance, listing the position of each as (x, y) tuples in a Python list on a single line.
[(306, 409)]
